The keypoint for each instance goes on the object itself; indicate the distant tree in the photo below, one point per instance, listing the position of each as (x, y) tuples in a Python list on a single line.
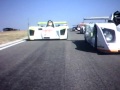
[(9, 29)]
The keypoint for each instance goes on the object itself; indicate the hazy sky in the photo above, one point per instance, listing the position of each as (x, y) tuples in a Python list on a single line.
[(15, 13)]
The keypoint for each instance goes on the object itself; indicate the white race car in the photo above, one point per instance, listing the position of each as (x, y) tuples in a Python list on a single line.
[(104, 37), (52, 30)]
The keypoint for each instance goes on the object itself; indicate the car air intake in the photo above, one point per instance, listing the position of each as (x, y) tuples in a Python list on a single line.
[(39, 28), (62, 32), (31, 32)]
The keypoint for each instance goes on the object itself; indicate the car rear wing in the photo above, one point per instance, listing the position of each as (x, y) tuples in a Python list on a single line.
[(96, 18), (114, 17), (42, 23), (61, 22)]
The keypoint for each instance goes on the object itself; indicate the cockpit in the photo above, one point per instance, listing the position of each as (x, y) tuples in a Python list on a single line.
[(115, 17), (50, 23)]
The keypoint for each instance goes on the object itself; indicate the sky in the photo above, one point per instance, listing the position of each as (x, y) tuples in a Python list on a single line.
[(17, 13)]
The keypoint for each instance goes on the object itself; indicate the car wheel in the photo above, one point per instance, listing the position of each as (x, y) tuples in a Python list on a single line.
[(82, 31)]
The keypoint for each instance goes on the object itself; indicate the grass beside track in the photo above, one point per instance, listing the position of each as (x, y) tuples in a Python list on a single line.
[(8, 36)]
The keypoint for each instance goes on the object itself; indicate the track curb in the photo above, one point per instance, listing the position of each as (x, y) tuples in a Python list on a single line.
[(12, 42)]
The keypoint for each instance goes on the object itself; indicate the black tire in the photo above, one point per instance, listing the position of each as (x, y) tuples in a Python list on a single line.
[(82, 31)]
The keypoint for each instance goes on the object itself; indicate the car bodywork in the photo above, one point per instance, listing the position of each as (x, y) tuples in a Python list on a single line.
[(78, 27), (82, 28), (74, 28), (52, 30), (103, 37)]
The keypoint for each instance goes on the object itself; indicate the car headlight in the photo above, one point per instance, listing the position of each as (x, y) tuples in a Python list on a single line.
[(109, 35)]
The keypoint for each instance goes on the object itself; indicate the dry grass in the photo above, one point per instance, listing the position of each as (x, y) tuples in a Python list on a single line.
[(11, 36)]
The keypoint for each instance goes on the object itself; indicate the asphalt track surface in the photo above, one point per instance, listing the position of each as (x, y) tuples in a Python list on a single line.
[(58, 65)]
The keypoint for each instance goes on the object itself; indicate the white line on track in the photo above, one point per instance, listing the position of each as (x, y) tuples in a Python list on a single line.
[(12, 45)]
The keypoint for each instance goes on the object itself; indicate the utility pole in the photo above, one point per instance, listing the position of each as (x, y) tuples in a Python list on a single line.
[(28, 28), (28, 23)]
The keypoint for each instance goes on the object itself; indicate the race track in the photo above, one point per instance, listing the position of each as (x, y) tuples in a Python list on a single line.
[(58, 65)]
